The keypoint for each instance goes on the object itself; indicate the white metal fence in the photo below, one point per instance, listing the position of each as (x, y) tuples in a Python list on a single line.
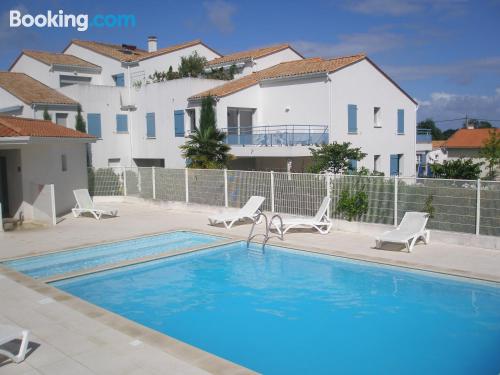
[(458, 205)]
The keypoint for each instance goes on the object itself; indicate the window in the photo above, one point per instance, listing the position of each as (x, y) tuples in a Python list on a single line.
[(240, 125), (119, 79), (396, 164), (376, 163), (94, 124), (179, 123), (61, 119), (65, 80), (64, 163), (114, 162), (352, 118), (353, 165), (192, 119), (401, 121), (121, 123), (377, 117), (150, 125)]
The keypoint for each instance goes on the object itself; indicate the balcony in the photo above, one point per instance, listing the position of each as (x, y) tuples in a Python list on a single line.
[(424, 136), (277, 135)]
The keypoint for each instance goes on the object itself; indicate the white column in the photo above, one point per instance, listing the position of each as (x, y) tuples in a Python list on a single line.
[(153, 180), (272, 191), (478, 206), (395, 201), (186, 183), (124, 181), (226, 200), (53, 204)]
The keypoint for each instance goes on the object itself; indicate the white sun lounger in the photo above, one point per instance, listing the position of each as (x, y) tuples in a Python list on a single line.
[(320, 221), (250, 210), (9, 333), (85, 204), (409, 231)]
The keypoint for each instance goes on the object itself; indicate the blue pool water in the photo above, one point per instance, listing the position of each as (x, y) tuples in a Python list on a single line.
[(100, 255), (289, 312)]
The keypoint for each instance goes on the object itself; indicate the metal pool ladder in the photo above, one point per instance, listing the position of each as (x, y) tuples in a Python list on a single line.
[(267, 235)]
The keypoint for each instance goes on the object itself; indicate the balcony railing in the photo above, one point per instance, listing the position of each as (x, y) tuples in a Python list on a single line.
[(277, 135), (424, 136)]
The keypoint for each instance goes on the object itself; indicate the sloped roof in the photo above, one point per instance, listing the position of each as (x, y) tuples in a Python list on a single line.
[(118, 52), (438, 144), (285, 69), (18, 127), (51, 58), (250, 54), (469, 138), (31, 91)]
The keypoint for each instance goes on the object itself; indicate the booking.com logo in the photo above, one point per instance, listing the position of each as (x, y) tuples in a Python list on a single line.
[(80, 21)]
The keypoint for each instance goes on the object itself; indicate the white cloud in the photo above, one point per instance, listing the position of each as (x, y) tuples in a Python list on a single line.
[(220, 13), (406, 7), (370, 42), (444, 106)]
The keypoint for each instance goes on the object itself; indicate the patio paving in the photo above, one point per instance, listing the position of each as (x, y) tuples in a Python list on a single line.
[(71, 341)]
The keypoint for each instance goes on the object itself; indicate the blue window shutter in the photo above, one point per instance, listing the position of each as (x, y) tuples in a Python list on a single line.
[(94, 124), (394, 165), (179, 123), (121, 123), (150, 125), (119, 79), (352, 118), (401, 121), (353, 165)]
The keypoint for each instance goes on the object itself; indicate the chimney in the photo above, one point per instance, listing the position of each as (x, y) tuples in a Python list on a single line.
[(152, 43)]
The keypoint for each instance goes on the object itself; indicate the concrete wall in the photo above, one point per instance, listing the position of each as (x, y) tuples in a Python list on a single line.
[(454, 154)]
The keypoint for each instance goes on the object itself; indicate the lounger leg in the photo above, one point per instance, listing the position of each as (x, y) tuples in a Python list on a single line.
[(427, 237), (24, 347)]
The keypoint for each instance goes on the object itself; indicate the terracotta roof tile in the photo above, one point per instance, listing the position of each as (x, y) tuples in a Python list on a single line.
[(118, 52), (250, 54), (469, 138), (285, 69), (59, 58), (31, 91), (437, 144), (17, 127)]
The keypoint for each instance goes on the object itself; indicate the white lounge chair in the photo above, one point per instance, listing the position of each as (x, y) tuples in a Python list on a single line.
[(9, 333), (409, 231), (85, 204), (250, 210), (320, 221)]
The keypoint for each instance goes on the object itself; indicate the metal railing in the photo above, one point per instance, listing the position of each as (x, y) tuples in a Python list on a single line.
[(424, 136), (467, 206), (277, 135)]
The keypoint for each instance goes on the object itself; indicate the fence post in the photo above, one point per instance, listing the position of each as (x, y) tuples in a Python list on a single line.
[(478, 206), (187, 184), (1, 218), (53, 204), (328, 193), (124, 181), (226, 200), (272, 191), (153, 180), (396, 201)]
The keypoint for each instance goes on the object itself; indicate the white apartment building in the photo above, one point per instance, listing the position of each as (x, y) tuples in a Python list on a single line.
[(277, 106)]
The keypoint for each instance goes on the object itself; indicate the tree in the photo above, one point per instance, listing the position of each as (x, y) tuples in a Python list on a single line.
[(429, 124), (460, 169), (206, 147), (46, 115), (477, 124), (491, 152), (448, 133), (192, 66), (334, 157), (80, 122)]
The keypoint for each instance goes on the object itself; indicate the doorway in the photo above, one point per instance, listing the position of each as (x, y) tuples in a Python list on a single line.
[(4, 197)]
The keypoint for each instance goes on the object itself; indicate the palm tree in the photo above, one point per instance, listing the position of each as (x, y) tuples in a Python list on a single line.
[(206, 147)]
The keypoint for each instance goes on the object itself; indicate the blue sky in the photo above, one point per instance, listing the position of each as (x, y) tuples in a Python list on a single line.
[(445, 53)]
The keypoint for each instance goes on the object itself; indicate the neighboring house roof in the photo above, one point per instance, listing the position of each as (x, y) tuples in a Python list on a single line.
[(124, 54), (437, 144), (51, 58), (250, 54), (23, 127), (469, 138), (31, 91), (295, 68), (284, 69)]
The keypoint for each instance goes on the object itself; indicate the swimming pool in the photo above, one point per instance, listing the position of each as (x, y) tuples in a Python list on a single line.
[(291, 312), (100, 255)]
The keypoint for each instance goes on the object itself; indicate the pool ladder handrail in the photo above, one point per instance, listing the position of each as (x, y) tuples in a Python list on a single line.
[(266, 235)]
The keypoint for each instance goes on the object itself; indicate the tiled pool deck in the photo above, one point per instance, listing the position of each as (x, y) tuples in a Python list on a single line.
[(73, 336)]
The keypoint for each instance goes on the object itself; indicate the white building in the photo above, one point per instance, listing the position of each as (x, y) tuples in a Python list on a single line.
[(277, 106)]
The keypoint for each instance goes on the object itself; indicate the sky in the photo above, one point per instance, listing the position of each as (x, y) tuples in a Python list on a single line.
[(444, 53)]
